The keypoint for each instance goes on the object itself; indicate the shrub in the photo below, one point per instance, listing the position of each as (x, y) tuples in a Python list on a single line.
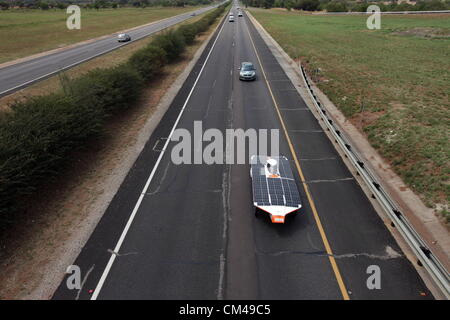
[(149, 61), (432, 5), (107, 89), (360, 7), (35, 137), (201, 25), (307, 5), (4, 5), (189, 31), (172, 43), (337, 6)]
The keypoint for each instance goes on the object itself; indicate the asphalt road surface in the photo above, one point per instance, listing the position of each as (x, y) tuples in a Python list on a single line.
[(193, 233), (20, 75)]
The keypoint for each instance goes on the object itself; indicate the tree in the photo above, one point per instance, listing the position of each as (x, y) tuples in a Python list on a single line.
[(44, 5), (268, 4), (288, 4), (4, 5), (431, 5), (309, 5), (337, 6)]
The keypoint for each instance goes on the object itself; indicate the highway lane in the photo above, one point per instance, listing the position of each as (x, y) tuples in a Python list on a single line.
[(96, 253), (356, 234), (195, 236), (20, 75), (258, 248)]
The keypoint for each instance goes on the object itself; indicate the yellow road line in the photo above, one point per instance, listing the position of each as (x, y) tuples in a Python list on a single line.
[(334, 265)]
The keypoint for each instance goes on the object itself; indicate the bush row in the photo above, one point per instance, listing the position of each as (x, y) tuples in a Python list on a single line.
[(97, 4), (349, 5), (38, 134)]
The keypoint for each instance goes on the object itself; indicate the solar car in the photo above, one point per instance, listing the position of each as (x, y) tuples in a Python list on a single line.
[(274, 188)]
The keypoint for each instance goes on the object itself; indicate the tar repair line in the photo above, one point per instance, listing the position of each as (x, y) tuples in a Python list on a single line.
[(147, 184), (331, 258)]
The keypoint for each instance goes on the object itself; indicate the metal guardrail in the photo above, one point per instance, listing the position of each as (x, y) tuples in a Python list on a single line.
[(425, 256)]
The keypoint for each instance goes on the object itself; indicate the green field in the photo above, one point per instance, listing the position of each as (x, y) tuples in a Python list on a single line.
[(399, 76), (25, 32)]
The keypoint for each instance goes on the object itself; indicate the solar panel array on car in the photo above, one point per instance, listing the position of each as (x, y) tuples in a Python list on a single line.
[(280, 191)]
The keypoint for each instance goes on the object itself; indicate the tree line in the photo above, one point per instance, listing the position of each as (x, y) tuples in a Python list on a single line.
[(96, 4), (345, 6)]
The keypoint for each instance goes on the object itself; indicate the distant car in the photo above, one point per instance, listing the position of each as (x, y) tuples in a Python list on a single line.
[(193, 14), (123, 37), (240, 14), (231, 18), (247, 71)]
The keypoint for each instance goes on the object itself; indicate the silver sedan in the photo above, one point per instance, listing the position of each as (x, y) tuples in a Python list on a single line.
[(123, 37), (247, 71)]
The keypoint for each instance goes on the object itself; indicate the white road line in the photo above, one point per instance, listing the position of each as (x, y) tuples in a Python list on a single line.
[(147, 184)]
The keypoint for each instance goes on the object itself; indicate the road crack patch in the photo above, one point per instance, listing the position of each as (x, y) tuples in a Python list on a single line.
[(389, 254)]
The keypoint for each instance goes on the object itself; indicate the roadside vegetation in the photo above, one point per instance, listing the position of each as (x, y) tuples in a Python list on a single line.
[(108, 60), (96, 4), (393, 84), (31, 31), (348, 5), (37, 135)]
